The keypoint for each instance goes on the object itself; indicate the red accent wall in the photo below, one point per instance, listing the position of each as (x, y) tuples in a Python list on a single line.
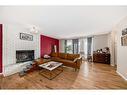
[(0, 48), (46, 44)]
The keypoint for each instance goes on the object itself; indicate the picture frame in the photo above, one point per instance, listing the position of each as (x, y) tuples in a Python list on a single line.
[(124, 31), (124, 40), (25, 36)]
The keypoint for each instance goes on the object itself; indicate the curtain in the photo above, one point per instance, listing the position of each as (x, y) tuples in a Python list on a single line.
[(75, 46), (89, 46), (83, 47), (65, 45)]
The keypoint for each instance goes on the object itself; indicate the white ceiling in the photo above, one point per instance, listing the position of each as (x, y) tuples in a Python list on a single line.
[(65, 21)]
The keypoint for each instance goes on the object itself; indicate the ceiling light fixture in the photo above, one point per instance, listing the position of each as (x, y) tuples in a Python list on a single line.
[(34, 30)]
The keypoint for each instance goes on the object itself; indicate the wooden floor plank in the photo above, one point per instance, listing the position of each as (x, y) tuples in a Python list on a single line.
[(90, 76)]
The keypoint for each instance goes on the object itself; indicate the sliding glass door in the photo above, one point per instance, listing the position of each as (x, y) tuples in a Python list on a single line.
[(68, 46), (82, 46), (85, 47), (72, 46)]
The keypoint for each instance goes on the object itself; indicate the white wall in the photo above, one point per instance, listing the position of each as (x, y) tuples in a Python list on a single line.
[(106, 40), (100, 41), (121, 50), (11, 43)]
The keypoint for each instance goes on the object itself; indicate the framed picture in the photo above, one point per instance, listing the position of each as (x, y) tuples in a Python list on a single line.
[(124, 31), (24, 36), (124, 40)]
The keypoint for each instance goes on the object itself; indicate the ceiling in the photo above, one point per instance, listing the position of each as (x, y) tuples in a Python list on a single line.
[(65, 21)]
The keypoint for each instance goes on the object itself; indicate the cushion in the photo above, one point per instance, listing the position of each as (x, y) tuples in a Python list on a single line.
[(55, 59), (66, 61), (63, 55), (72, 56), (54, 54)]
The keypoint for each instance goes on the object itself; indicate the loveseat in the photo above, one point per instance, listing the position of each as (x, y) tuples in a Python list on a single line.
[(70, 60)]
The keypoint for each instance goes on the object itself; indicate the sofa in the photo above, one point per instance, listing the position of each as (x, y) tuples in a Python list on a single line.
[(70, 60)]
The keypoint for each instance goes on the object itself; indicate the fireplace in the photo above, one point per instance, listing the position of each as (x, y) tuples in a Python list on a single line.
[(24, 55)]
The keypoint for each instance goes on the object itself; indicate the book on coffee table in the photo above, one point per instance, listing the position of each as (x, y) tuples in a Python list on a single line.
[(50, 65)]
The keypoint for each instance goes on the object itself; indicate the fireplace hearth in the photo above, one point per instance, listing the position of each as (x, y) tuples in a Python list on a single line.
[(24, 55)]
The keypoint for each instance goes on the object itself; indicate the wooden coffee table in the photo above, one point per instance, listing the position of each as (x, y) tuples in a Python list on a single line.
[(51, 69)]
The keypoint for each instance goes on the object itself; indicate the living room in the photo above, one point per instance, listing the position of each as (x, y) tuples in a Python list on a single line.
[(68, 35)]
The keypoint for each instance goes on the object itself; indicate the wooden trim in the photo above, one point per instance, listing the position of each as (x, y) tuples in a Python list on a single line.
[(121, 75)]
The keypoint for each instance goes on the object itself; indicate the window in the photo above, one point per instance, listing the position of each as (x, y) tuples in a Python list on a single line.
[(71, 46), (82, 46), (68, 46)]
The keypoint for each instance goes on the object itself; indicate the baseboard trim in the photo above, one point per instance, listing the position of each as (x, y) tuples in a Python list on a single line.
[(112, 65), (121, 75)]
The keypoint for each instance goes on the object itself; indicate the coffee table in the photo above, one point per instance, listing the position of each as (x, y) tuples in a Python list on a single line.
[(51, 69)]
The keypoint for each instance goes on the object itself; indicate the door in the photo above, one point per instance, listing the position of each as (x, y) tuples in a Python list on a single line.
[(0, 48)]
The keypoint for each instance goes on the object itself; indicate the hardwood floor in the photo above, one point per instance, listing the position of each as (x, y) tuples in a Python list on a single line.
[(90, 76)]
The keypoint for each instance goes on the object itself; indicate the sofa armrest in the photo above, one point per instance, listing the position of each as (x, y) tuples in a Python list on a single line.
[(78, 61), (75, 60)]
